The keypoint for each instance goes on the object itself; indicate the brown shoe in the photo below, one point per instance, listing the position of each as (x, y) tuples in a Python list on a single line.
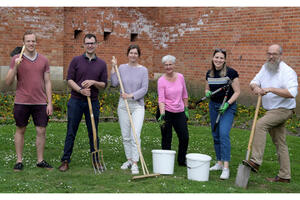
[(278, 179), (64, 166), (254, 167)]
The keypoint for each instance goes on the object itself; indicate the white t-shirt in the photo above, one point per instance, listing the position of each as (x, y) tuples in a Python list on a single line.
[(285, 78)]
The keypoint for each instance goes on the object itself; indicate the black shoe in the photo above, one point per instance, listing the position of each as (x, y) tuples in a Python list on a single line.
[(44, 164), (18, 167)]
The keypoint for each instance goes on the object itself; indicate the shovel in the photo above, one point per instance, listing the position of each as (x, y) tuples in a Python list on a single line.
[(98, 164), (243, 173), (143, 164)]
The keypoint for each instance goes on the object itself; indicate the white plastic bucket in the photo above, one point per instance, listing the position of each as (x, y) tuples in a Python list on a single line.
[(198, 166), (163, 161)]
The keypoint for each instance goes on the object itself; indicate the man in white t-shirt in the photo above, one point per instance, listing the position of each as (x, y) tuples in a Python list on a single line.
[(278, 85)]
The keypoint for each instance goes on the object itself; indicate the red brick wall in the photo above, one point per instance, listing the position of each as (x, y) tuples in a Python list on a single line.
[(47, 23), (190, 34), (120, 21), (244, 32)]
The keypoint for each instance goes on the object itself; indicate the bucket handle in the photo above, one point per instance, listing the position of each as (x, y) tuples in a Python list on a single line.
[(196, 165)]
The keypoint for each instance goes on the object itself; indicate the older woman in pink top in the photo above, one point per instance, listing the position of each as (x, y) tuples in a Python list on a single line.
[(173, 107)]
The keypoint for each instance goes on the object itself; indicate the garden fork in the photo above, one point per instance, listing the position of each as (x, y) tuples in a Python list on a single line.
[(98, 164)]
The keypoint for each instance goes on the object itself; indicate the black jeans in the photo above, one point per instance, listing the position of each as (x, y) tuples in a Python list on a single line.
[(179, 122)]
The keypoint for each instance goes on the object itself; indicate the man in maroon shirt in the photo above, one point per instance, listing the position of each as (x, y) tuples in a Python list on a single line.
[(86, 75), (33, 97)]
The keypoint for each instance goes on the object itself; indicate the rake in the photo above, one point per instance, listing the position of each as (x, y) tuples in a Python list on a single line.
[(143, 163), (97, 154)]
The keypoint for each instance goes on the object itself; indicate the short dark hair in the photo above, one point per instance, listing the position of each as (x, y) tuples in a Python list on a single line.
[(28, 32), (89, 36), (134, 46)]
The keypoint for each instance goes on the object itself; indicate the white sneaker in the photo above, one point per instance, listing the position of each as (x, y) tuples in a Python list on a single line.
[(126, 165), (216, 167), (225, 174), (134, 169)]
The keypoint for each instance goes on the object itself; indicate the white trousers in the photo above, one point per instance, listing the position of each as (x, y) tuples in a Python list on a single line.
[(137, 112)]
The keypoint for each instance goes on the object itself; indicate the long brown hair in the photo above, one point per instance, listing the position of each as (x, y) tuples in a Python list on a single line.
[(213, 70)]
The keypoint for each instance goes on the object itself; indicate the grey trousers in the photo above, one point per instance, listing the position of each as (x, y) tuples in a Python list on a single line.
[(273, 122)]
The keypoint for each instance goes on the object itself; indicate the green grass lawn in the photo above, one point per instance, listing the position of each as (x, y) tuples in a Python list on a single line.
[(81, 178)]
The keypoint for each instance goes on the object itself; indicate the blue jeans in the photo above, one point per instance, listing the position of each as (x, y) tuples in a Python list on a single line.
[(221, 135), (76, 108)]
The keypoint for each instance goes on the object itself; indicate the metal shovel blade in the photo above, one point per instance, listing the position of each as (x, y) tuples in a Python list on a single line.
[(243, 175)]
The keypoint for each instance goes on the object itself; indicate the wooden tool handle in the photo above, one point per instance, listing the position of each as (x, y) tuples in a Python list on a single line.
[(144, 166), (254, 123), (93, 123), (21, 54)]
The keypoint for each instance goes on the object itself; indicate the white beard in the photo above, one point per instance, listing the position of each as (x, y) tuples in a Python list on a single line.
[(272, 67)]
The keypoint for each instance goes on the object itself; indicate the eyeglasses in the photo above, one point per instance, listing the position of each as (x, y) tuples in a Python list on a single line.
[(89, 43), (272, 54)]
